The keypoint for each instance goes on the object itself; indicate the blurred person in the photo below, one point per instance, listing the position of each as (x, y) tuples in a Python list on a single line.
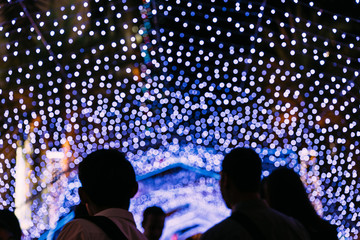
[(108, 183), (285, 192), (251, 217), (153, 222), (9, 226)]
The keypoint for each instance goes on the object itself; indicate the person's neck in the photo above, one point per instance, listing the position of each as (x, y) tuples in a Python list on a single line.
[(96, 209), (244, 196), (248, 196)]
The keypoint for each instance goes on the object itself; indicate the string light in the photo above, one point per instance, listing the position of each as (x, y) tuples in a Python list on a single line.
[(184, 78)]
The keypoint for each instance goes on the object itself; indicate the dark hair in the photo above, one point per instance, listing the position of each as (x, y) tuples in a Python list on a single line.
[(287, 194), (154, 210), (9, 222), (243, 166), (107, 177)]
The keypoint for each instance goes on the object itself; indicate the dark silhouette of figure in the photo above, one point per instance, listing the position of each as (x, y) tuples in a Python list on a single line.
[(251, 217), (80, 211), (153, 222), (286, 193), (108, 183), (9, 226)]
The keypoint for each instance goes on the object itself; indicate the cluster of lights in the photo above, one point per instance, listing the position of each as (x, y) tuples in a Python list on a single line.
[(177, 177), (185, 178), (190, 196), (280, 80), (158, 78)]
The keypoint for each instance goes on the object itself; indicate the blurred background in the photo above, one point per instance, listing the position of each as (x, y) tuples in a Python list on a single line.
[(175, 84)]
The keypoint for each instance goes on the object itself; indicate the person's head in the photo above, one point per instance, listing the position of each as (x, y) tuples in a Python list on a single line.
[(9, 226), (153, 222), (241, 174), (285, 192), (108, 180), (80, 211)]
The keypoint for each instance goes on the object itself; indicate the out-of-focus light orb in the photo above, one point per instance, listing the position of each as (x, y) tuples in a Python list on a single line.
[(215, 76)]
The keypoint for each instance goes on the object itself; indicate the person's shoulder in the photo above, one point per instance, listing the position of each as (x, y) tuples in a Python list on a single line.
[(78, 223), (73, 230), (218, 231), (284, 218), (290, 223), (77, 229)]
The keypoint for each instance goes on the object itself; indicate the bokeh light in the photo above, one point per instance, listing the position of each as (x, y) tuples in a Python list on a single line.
[(162, 79)]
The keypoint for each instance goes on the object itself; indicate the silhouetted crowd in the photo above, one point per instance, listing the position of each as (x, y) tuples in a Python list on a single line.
[(276, 207)]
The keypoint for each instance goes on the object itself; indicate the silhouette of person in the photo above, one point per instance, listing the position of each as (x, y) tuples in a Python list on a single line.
[(9, 226), (108, 183), (286, 193), (251, 217), (153, 222), (80, 211)]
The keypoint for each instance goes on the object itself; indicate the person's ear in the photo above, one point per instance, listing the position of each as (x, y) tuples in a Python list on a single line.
[(227, 182), (134, 190), (224, 180), (226, 189), (83, 196)]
